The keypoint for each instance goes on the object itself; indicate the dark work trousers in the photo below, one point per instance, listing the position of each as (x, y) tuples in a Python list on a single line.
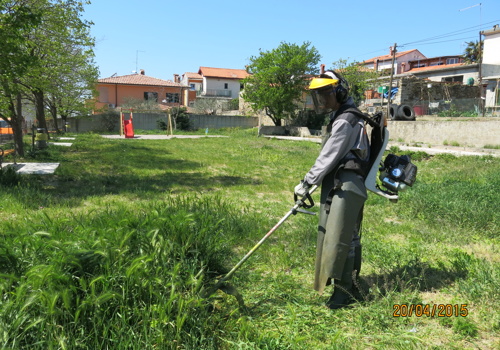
[(339, 223)]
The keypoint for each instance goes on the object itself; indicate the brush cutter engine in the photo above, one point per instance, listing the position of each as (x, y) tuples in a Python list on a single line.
[(397, 173)]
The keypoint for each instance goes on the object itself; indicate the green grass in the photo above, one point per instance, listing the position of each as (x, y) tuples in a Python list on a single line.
[(113, 250)]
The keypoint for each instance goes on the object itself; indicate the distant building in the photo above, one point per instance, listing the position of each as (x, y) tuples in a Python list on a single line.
[(401, 61), (448, 69), (490, 68), (221, 82), (115, 90)]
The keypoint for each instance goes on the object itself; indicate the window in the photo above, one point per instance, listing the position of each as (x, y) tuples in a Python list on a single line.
[(455, 79), (103, 94), (451, 60), (172, 97), (226, 85), (151, 96), (192, 87)]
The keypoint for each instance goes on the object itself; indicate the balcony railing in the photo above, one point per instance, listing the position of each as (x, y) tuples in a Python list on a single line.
[(214, 93)]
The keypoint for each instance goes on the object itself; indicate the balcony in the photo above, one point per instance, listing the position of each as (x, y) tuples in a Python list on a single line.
[(213, 93)]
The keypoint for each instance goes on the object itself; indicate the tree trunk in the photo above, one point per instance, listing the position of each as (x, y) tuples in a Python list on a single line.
[(40, 109), (53, 113), (16, 121)]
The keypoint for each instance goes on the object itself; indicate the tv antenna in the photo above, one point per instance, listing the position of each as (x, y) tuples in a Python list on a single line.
[(480, 13), (137, 59)]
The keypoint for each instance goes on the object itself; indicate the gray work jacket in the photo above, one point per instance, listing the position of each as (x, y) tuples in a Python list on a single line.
[(345, 142)]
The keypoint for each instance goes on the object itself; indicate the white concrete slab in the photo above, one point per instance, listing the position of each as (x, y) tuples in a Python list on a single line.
[(65, 144), (34, 168), (160, 137), (66, 138)]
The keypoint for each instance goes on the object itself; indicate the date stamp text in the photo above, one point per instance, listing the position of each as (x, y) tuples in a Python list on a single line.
[(430, 310)]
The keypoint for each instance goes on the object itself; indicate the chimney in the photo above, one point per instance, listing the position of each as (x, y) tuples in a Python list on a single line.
[(391, 50), (177, 78), (322, 69), (142, 72)]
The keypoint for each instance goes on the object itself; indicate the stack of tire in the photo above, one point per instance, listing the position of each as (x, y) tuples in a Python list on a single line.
[(401, 112)]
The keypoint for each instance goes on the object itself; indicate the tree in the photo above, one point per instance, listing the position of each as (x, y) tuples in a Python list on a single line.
[(69, 93), (42, 41), (63, 48), (473, 52), (358, 77), (279, 78), (17, 20)]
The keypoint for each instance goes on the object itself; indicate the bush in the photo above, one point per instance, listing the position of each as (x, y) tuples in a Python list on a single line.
[(180, 120), (9, 177)]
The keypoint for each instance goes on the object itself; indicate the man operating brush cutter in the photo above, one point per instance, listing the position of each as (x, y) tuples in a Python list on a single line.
[(341, 170), (346, 167)]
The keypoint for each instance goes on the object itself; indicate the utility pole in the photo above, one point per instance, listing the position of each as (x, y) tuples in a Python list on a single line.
[(389, 99)]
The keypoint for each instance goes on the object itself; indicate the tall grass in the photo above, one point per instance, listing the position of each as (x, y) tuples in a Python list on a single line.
[(112, 251)]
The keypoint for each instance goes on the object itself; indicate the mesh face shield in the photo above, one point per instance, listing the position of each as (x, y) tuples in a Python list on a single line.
[(323, 98)]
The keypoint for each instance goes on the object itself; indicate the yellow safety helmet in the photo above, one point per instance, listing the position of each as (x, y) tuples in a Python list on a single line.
[(318, 83)]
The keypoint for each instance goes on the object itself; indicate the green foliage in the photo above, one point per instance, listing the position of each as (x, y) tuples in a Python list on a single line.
[(359, 78), (180, 119), (278, 79), (310, 119), (9, 177), (139, 104), (453, 112), (45, 52), (234, 104), (473, 52)]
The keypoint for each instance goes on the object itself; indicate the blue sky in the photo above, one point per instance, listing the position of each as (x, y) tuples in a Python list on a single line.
[(166, 37)]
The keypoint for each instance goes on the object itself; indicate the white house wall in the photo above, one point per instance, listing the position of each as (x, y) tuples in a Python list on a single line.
[(218, 84), (491, 55), (490, 68), (467, 73)]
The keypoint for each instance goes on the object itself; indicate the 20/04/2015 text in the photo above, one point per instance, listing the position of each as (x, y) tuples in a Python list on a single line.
[(430, 310)]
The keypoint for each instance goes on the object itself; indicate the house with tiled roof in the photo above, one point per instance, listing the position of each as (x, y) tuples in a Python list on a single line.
[(221, 83), (116, 90), (401, 61)]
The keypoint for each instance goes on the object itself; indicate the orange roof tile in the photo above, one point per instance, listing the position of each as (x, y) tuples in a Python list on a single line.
[(138, 79), (223, 73), (388, 57), (442, 66), (193, 75)]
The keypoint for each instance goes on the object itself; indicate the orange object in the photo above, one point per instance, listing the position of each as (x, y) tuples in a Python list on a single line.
[(128, 129)]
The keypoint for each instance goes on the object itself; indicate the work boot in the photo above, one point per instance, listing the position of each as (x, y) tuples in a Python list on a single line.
[(342, 289)]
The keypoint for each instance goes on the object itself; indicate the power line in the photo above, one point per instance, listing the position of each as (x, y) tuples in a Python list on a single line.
[(430, 40), (457, 32)]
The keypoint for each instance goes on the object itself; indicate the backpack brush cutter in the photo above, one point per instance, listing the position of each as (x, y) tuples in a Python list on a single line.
[(222, 284)]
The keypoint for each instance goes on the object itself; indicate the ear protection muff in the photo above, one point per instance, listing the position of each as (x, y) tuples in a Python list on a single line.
[(342, 89)]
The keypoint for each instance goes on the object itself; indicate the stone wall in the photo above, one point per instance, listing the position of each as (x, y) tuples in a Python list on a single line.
[(470, 133), (413, 91)]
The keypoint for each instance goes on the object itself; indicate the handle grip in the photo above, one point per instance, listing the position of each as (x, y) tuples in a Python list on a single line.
[(306, 201)]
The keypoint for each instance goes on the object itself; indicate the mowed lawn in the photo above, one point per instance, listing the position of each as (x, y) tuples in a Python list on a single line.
[(114, 250)]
